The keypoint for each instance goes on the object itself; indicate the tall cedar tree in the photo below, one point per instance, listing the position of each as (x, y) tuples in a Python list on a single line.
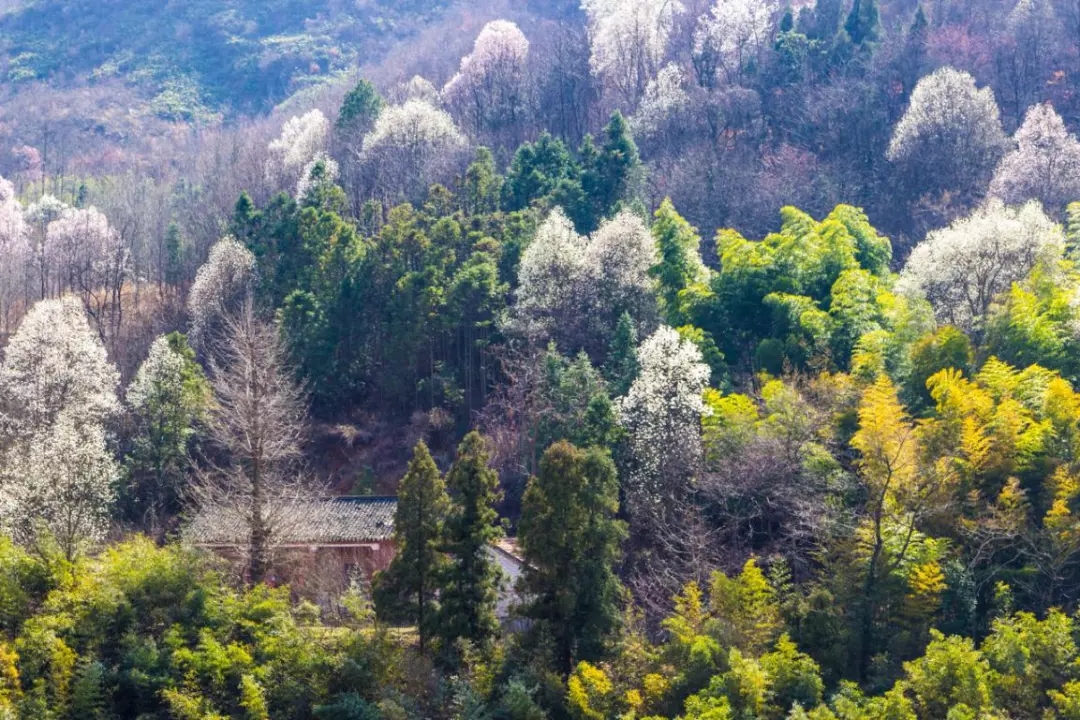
[(679, 266), (862, 22), (406, 590), (609, 173), (571, 542), (469, 590)]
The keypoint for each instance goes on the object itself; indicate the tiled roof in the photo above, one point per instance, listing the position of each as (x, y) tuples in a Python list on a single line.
[(329, 522)]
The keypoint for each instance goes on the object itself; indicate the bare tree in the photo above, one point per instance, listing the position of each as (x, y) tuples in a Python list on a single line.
[(259, 494)]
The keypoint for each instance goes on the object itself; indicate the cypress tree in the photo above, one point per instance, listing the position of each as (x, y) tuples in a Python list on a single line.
[(622, 361), (406, 590), (360, 108), (610, 172), (469, 588), (862, 23), (571, 542)]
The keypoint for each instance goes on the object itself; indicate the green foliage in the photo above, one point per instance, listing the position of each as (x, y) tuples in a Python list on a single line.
[(406, 591), (571, 542), (359, 109), (468, 588)]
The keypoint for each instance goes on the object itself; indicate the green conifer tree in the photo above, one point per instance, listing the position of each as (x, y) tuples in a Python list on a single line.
[(469, 587), (622, 362), (862, 24), (406, 590), (571, 542)]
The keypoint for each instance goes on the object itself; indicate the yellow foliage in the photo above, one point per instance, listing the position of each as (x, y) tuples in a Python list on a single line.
[(588, 692)]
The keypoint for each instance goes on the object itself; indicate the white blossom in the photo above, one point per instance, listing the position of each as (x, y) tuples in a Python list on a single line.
[(962, 268), (628, 40), (732, 35), (489, 89), (617, 263), (551, 274), (56, 363), (950, 136), (162, 369), (411, 146), (220, 286), (86, 252), (417, 88), (662, 417), (60, 485), (322, 170), (15, 253), (301, 139), (1045, 164), (665, 100)]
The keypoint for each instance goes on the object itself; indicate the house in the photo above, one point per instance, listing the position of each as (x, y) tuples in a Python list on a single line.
[(323, 546)]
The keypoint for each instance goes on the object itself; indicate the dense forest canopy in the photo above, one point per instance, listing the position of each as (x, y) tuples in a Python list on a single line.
[(746, 333)]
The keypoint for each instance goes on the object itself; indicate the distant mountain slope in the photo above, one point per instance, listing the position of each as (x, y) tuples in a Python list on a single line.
[(194, 59)]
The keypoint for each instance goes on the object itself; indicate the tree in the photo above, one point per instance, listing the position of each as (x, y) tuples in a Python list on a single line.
[(258, 421), (407, 589), (221, 287), (468, 590), (302, 138), (662, 417), (732, 39), (570, 538), (359, 109), (628, 41), (617, 280), (15, 248), (679, 265), (169, 398), (410, 147), (57, 392), (950, 138), (489, 92), (963, 268), (1044, 166), (612, 174), (862, 24)]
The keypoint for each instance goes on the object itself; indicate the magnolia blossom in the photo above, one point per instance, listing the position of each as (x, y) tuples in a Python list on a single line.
[(951, 135), (617, 263), (87, 252), (962, 268), (731, 35), (60, 483), (15, 253), (664, 101), (552, 267), (221, 284), (161, 373), (1045, 165), (56, 363), (662, 417), (301, 139), (489, 89), (628, 40), (411, 146), (417, 88)]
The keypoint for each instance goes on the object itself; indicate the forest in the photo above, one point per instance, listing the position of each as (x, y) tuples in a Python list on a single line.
[(747, 333)]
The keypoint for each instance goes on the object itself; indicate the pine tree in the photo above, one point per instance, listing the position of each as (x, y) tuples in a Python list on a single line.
[(621, 368), (406, 591), (469, 587), (862, 23), (361, 106), (609, 173), (571, 540)]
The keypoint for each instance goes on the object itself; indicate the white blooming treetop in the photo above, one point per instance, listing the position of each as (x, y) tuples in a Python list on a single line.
[(628, 40), (734, 34), (301, 139), (962, 268), (221, 284), (1045, 164)]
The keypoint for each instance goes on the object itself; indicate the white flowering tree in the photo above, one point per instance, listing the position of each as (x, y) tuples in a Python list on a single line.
[(663, 107), (90, 259), (57, 393), (321, 172), (573, 288), (412, 146), (54, 363), (301, 139), (490, 93), (221, 286), (617, 280), (1043, 166), (628, 40), (731, 38), (662, 417), (416, 88), (950, 138), (961, 269), (550, 276), (15, 255)]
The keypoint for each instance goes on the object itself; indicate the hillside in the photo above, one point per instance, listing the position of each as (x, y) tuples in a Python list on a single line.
[(194, 60)]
